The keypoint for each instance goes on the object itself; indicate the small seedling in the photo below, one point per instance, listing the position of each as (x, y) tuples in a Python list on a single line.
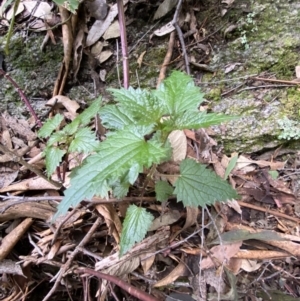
[(138, 124)]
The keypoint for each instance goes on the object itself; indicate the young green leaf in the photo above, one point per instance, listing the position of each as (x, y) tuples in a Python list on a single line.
[(49, 126), (114, 118), (142, 105), (86, 116), (57, 137), (196, 120), (230, 166), (135, 227), (120, 189), (116, 155), (84, 141), (163, 190), (53, 158), (198, 186), (178, 94)]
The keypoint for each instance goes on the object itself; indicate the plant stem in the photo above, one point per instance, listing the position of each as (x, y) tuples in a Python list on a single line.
[(23, 97), (123, 43)]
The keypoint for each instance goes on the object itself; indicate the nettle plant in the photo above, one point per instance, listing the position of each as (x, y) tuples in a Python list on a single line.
[(138, 124)]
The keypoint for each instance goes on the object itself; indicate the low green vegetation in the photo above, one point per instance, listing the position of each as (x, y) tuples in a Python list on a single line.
[(138, 125), (290, 129)]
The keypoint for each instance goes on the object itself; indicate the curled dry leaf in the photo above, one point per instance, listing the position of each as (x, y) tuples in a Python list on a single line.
[(113, 31), (100, 26), (64, 102), (166, 219), (220, 254), (35, 183), (178, 142), (180, 270), (9, 172)]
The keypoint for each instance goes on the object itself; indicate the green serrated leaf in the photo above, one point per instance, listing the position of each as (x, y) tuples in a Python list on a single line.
[(120, 189), (86, 116), (133, 173), (178, 94), (58, 137), (198, 186), (49, 126), (142, 105), (53, 158), (117, 154), (70, 5), (163, 190), (71, 128), (84, 141), (274, 174), (230, 166), (113, 118), (195, 120), (135, 227)]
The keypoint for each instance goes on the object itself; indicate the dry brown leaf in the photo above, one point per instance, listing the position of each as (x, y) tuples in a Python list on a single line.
[(64, 102), (35, 183), (178, 143), (191, 219), (221, 254), (113, 31), (98, 8), (9, 14), (10, 240), (78, 48), (250, 265), (8, 266), (140, 58), (54, 249), (38, 9), (242, 162), (112, 220), (100, 26), (148, 260), (180, 270), (19, 126), (166, 219), (160, 237), (214, 279), (9, 172), (104, 56), (166, 29), (165, 7), (124, 267)]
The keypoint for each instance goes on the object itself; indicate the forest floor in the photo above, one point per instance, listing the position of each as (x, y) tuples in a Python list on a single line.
[(245, 249)]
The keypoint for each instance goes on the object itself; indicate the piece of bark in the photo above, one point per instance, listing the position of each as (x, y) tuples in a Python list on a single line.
[(39, 210)]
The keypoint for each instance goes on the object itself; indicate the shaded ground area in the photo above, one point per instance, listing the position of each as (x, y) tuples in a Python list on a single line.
[(247, 249)]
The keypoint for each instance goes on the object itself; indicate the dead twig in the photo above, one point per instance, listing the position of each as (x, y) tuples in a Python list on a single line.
[(180, 36), (23, 97), (167, 59), (16, 158), (272, 80), (273, 212), (67, 265), (124, 45), (130, 289)]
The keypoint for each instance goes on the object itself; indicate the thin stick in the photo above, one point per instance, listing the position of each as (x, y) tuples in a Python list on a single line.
[(67, 265), (180, 36), (123, 43), (18, 159), (130, 289), (167, 59), (23, 97), (275, 213)]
